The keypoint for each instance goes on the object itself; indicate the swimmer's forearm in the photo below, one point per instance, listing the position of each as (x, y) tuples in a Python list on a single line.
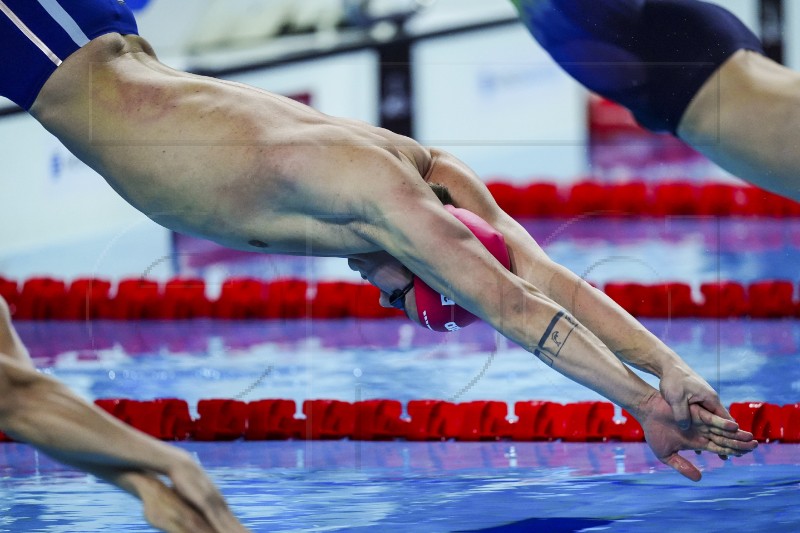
[(619, 331), (593, 366), (569, 347), (46, 414), (625, 336), (514, 307), (163, 507), (131, 481)]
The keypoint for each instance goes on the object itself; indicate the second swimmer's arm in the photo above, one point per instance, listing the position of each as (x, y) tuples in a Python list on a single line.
[(46, 414)]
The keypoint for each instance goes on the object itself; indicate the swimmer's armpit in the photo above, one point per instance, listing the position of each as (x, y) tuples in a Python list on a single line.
[(555, 337)]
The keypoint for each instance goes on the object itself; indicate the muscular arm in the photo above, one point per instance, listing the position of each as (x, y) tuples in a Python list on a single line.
[(416, 230), (619, 331), (420, 234)]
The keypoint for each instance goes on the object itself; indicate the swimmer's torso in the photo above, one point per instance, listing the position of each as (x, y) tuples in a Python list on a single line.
[(220, 160)]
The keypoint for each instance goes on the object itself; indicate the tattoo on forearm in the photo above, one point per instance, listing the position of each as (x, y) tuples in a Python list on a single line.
[(555, 337)]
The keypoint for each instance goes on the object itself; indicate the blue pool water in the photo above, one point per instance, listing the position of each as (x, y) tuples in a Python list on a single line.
[(349, 486), (401, 486), (350, 360)]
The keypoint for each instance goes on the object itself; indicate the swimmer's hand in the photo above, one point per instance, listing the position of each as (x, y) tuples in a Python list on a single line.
[(681, 387), (194, 487), (164, 509), (666, 439)]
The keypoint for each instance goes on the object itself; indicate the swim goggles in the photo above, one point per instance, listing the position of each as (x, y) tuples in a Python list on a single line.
[(398, 297)]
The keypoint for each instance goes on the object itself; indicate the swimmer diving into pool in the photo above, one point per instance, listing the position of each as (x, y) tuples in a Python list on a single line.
[(686, 67), (255, 171)]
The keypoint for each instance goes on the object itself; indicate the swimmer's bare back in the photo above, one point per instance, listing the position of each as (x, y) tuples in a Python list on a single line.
[(246, 168)]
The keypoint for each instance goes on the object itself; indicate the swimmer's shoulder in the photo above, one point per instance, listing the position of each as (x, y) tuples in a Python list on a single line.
[(108, 47), (419, 156), (67, 83), (398, 146), (411, 152)]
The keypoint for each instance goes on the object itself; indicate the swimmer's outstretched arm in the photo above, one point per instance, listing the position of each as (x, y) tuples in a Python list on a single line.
[(626, 337), (411, 225), (42, 412)]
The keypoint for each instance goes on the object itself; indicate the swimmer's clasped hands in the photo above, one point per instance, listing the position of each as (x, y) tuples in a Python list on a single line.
[(165, 509), (193, 504), (194, 486), (681, 387), (666, 439)]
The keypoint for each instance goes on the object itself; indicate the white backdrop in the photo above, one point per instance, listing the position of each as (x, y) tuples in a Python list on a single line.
[(495, 99), (59, 217), (343, 85), (791, 34)]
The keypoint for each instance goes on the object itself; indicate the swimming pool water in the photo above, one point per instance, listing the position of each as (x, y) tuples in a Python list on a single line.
[(402, 486), (745, 360), (442, 487)]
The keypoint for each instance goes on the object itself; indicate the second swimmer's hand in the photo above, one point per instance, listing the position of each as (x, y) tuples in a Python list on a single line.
[(165, 510), (195, 487)]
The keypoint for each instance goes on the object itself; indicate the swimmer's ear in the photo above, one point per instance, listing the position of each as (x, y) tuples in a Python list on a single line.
[(442, 193)]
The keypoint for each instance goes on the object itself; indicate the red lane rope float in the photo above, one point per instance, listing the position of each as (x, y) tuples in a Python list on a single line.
[(180, 299), (768, 299), (427, 420), (638, 198)]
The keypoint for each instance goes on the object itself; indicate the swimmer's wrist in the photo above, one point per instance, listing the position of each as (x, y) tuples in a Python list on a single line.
[(134, 483), (640, 408), (180, 460), (166, 459), (656, 363)]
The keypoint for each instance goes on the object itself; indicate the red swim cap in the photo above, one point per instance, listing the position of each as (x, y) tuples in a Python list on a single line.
[(436, 311)]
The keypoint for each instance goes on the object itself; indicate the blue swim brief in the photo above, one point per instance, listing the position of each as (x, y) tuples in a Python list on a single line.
[(37, 35), (652, 56)]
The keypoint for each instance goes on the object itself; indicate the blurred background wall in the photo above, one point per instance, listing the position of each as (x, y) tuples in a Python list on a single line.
[(470, 79)]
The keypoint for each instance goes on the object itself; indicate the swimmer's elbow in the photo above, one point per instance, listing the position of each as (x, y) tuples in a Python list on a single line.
[(513, 305), (5, 311), (16, 376), (12, 381), (533, 312)]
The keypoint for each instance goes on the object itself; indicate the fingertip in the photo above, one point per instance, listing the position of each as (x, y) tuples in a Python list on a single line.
[(684, 467), (692, 474)]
